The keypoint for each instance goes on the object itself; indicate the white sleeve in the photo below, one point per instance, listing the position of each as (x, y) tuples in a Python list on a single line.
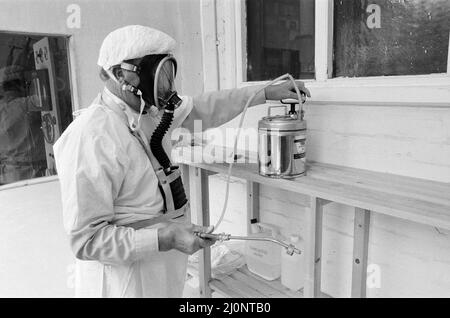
[(91, 169), (217, 108)]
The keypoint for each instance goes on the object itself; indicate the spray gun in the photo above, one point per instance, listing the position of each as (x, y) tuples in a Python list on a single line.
[(290, 248)]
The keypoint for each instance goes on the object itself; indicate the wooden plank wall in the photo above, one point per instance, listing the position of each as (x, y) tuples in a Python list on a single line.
[(405, 259), (408, 141), (413, 142)]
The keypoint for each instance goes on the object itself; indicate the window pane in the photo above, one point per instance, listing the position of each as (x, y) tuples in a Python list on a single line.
[(390, 37), (35, 103), (280, 35)]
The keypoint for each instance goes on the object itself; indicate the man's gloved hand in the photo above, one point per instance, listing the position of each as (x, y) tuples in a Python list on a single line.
[(181, 236), (285, 90)]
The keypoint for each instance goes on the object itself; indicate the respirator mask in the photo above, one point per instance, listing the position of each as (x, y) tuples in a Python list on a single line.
[(156, 83), (156, 80)]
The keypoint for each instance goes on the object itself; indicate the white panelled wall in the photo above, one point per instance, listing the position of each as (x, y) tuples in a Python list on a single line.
[(408, 141), (405, 259)]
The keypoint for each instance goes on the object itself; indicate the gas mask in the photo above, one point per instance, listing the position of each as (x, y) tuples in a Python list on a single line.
[(156, 83), (156, 79)]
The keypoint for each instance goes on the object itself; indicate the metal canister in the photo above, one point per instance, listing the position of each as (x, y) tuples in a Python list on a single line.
[(281, 145)]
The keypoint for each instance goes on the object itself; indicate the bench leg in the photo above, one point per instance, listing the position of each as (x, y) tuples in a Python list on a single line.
[(360, 252), (313, 248), (252, 203), (199, 195)]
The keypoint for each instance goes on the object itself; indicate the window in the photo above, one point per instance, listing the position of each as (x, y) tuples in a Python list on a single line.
[(35, 103), (280, 37), (351, 52), (390, 37)]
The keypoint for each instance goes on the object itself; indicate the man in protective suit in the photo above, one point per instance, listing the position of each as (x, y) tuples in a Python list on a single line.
[(127, 229)]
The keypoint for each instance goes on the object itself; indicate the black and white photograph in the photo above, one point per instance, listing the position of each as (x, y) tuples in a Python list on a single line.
[(224, 153)]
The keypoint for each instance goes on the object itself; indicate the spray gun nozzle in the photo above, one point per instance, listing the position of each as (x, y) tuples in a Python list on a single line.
[(290, 249)]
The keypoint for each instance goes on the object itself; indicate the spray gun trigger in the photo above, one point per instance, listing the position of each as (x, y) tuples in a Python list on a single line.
[(218, 237), (210, 229)]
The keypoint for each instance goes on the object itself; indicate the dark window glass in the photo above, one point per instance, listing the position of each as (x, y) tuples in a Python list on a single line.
[(280, 38), (35, 103), (390, 37)]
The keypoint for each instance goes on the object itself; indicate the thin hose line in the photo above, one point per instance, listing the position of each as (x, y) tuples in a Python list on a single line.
[(241, 122)]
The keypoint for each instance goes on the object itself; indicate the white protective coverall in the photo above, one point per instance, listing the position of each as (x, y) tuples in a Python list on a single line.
[(107, 182)]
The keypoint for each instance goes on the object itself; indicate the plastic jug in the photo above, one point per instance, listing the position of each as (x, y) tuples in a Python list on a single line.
[(263, 258), (293, 267)]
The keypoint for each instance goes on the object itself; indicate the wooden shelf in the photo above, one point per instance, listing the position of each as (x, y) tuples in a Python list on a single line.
[(417, 200), (244, 284)]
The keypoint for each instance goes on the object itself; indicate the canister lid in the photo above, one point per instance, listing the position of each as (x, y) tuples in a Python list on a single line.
[(281, 123)]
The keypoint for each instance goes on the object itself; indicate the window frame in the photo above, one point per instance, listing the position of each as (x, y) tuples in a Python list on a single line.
[(225, 22), (71, 63), (72, 73)]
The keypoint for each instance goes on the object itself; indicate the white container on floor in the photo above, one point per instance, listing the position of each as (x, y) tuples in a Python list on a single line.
[(293, 267), (262, 257)]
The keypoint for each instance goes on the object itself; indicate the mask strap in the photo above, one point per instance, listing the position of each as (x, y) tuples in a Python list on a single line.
[(127, 86), (130, 67), (135, 127)]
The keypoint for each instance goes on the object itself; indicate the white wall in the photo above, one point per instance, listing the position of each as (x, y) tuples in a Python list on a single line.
[(100, 17), (189, 39), (36, 260), (407, 141)]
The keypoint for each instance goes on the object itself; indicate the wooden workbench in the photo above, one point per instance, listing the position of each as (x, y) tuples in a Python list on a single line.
[(417, 200)]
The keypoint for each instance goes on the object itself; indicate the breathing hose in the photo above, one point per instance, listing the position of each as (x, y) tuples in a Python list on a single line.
[(158, 135), (176, 186)]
